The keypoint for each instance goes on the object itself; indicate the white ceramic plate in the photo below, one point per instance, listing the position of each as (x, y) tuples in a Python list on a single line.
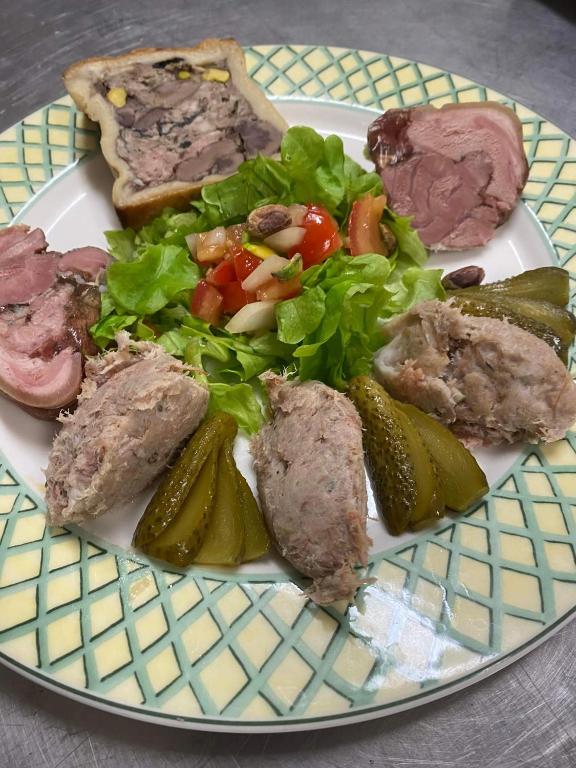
[(244, 649)]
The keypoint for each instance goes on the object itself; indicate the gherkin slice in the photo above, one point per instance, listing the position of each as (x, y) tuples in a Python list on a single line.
[(549, 284), (181, 540), (406, 480), (431, 504), (225, 536), (463, 481), (560, 320), (176, 485), (257, 540), (499, 310)]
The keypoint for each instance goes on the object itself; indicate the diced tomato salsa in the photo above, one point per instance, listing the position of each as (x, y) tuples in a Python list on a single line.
[(206, 302), (234, 297), (227, 263), (222, 273), (244, 264)]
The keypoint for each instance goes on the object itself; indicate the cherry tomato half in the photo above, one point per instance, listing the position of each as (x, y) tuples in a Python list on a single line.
[(321, 239), (206, 302)]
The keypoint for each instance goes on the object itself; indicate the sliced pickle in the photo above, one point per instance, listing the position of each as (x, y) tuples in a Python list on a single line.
[(561, 321), (183, 537), (406, 480), (543, 284), (257, 541), (224, 540), (480, 307), (463, 481), (177, 483), (427, 475)]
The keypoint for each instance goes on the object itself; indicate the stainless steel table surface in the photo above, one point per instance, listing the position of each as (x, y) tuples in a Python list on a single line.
[(524, 715)]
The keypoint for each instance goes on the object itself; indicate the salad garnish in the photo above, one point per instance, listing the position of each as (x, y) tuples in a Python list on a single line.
[(216, 288)]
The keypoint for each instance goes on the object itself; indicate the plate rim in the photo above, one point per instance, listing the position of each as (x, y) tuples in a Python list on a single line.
[(306, 723), (293, 725)]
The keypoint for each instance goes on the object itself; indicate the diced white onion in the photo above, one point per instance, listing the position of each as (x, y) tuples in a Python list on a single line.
[(211, 246), (216, 236), (286, 239), (297, 213), (258, 316), (212, 253), (264, 272), (192, 243)]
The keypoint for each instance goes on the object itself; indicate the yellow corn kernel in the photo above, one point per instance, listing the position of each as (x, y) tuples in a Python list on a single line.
[(117, 96), (183, 74), (218, 75), (262, 251)]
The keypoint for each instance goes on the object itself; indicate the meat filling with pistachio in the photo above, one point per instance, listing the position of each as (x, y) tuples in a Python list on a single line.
[(179, 122)]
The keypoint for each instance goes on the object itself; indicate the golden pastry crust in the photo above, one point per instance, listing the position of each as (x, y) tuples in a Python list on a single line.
[(135, 208)]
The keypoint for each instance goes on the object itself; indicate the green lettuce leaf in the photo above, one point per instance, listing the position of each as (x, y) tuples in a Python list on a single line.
[(339, 307), (170, 228), (121, 244), (107, 305), (409, 244), (253, 364), (144, 332), (239, 400), (230, 362), (414, 285), (315, 166), (322, 173), (258, 182), (339, 341), (300, 316), (359, 181), (148, 284), (174, 342), (105, 330), (269, 345)]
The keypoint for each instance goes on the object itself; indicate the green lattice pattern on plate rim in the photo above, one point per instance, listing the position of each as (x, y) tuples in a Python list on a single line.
[(90, 618)]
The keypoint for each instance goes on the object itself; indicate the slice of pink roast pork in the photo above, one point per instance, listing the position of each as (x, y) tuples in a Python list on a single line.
[(458, 170), (48, 302)]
